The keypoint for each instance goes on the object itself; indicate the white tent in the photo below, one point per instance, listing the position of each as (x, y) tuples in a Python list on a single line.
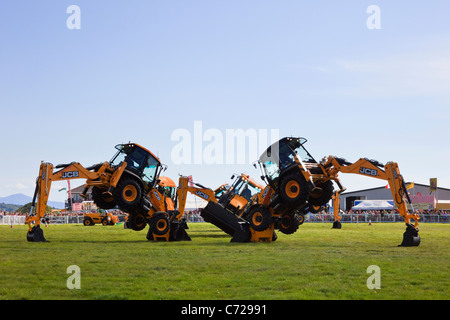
[(373, 205)]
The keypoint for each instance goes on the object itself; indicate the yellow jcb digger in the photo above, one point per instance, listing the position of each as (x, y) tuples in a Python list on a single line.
[(130, 181), (298, 184), (226, 206)]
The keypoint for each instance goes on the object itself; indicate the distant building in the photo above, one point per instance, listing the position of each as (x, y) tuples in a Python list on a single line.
[(420, 192), (78, 202)]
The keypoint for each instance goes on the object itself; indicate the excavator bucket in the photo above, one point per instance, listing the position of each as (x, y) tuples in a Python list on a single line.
[(411, 237), (337, 225), (36, 235)]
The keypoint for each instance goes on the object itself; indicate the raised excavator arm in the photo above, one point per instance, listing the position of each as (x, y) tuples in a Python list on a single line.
[(372, 168), (43, 185)]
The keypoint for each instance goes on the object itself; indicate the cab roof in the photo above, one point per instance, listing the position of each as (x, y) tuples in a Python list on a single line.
[(132, 144)]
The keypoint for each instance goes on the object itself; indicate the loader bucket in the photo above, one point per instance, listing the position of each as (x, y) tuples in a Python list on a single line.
[(411, 237), (36, 235), (178, 231)]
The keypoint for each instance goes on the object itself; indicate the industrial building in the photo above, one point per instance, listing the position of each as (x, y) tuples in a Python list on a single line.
[(421, 197)]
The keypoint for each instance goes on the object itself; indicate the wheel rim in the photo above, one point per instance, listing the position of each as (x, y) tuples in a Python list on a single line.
[(139, 220), (161, 225), (286, 221), (257, 218), (130, 193), (292, 189)]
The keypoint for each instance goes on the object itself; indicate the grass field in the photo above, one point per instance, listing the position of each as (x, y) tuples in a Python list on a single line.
[(316, 262)]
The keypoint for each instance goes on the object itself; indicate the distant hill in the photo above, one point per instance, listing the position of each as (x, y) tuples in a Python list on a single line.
[(21, 199)]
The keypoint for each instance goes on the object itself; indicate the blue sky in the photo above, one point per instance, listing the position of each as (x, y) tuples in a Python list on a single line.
[(139, 70)]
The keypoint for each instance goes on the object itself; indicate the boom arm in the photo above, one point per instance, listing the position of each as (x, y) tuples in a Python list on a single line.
[(43, 185), (202, 192), (389, 172)]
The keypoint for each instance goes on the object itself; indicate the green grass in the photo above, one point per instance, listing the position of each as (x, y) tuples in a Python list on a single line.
[(316, 262)]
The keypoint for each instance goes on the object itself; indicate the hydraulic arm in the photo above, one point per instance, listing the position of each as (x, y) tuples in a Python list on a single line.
[(371, 168), (43, 185)]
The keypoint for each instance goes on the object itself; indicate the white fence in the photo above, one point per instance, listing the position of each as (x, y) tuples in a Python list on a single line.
[(329, 218), (10, 219), (366, 218)]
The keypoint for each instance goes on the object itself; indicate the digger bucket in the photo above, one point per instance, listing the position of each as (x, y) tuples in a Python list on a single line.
[(411, 237), (337, 225), (36, 235)]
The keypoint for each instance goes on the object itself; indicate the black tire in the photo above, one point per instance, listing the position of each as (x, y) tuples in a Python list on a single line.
[(259, 218), (327, 192), (128, 194), (289, 223), (88, 222), (294, 189), (100, 201), (136, 222), (159, 223), (105, 222)]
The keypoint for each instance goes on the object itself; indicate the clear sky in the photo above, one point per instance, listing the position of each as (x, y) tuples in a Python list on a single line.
[(140, 70)]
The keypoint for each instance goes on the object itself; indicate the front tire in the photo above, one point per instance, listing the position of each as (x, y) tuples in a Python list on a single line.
[(259, 218), (101, 201), (160, 223), (136, 222)]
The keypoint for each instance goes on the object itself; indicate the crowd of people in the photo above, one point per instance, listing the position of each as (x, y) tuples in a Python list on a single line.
[(194, 215)]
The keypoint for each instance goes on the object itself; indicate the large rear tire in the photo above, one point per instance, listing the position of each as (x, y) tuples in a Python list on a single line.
[(128, 194), (294, 189), (327, 192)]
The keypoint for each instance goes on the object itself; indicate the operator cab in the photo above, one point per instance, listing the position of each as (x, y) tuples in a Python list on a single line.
[(140, 162), (239, 194), (283, 155)]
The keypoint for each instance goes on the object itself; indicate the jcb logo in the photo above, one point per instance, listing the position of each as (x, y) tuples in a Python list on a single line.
[(202, 195), (157, 195), (266, 190), (70, 174), (368, 171)]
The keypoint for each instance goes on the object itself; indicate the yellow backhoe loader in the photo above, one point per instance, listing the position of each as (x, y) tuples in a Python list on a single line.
[(298, 184), (226, 206), (130, 181)]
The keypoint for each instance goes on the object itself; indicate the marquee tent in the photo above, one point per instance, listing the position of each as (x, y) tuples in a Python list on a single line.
[(373, 205)]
